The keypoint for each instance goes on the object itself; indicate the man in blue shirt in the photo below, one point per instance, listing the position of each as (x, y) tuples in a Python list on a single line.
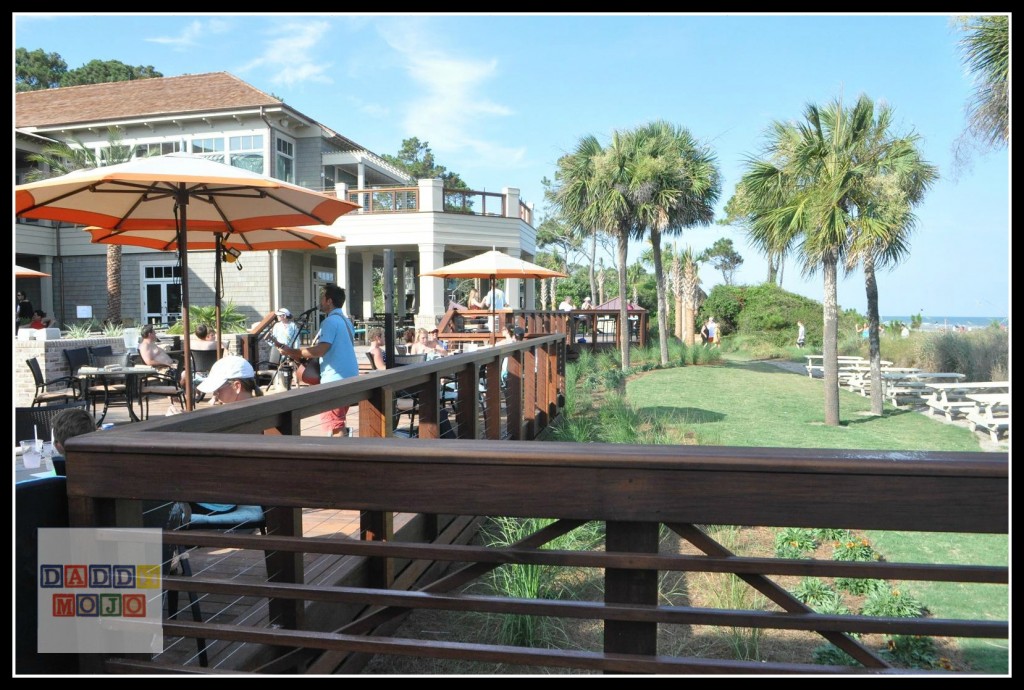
[(336, 351)]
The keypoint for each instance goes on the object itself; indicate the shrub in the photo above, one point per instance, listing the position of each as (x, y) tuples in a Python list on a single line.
[(892, 603), (231, 320), (860, 585), (113, 330), (914, 651), (80, 330), (817, 593), (854, 550), (830, 655), (824, 534), (794, 542)]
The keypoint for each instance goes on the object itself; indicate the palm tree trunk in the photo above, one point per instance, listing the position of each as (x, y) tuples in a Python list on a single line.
[(874, 347), (593, 260), (113, 283), (659, 281), (830, 344), (677, 292), (623, 252)]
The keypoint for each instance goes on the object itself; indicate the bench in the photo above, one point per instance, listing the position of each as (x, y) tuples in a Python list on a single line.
[(950, 408), (951, 399), (994, 425)]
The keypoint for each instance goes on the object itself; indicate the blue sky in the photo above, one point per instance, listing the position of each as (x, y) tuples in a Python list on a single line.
[(500, 97)]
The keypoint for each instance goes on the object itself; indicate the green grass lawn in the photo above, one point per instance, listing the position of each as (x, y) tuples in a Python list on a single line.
[(757, 404)]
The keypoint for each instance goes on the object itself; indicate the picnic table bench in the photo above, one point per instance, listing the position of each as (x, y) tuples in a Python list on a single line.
[(991, 414), (903, 388), (815, 363), (858, 378), (950, 399)]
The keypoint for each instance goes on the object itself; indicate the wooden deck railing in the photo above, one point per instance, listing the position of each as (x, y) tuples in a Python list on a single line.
[(598, 327), (633, 491)]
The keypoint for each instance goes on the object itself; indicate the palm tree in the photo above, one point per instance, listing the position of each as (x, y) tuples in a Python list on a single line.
[(808, 190), (60, 158), (985, 49), (691, 281), (574, 191), (676, 184), (594, 192), (677, 290), (895, 179)]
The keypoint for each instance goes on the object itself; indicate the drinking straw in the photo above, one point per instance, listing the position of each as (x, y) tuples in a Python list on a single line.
[(35, 432)]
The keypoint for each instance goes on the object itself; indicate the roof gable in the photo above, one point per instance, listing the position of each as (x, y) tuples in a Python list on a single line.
[(190, 93)]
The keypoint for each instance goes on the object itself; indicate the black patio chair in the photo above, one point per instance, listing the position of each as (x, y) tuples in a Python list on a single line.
[(29, 421), (65, 387)]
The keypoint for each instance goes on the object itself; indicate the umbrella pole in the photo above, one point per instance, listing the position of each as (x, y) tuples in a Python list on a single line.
[(182, 201), (218, 252), (494, 318)]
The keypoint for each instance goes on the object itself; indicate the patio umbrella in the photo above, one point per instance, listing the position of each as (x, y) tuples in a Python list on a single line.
[(199, 239), (493, 265), (20, 272), (177, 192)]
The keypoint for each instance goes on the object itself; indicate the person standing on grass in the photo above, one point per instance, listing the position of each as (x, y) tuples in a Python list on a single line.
[(704, 334), (801, 334), (336, 350), (712, 329)]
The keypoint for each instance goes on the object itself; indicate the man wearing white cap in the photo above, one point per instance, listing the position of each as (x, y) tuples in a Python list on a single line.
[(230, 379), (285, 330)]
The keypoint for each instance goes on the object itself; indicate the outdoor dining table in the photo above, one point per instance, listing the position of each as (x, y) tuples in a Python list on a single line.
[(131, 376), (988, 402), (28, 474)]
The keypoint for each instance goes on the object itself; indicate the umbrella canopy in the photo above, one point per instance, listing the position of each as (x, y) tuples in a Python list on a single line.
[(264, 238), (200, 239), (20, 272), (176, 192), (493, 265)]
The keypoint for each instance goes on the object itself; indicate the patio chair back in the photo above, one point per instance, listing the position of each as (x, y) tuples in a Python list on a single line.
[(29, 421)]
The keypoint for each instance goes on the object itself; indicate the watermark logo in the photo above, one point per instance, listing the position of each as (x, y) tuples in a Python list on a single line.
[(99, 591)]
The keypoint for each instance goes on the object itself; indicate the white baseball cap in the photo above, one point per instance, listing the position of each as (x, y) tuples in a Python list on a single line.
[(226, 368), (283, 311)]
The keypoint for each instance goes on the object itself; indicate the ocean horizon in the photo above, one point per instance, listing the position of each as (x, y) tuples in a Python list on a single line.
[(932, 323)]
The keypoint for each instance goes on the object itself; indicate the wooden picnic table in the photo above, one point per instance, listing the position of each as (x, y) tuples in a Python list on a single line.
[(843, 360)]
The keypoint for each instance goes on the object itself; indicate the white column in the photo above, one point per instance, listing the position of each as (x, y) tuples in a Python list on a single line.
[(360, 175), (511, 201), (512, 288), (400, 285), (431, 297), (367, 285), (46, 287), (341, 272), (431, 195), (275, 279)]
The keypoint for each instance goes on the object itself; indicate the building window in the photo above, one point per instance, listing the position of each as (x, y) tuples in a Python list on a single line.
[(211, 147), (284, 163), (246, 152), (158, 148)]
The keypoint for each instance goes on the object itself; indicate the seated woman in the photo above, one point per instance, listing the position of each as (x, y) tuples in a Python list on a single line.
[(424, 345), (40, 320), (474, 301), (375, 336)]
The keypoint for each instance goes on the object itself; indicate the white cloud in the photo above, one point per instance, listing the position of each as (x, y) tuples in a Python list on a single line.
[(450, 109), (372, 109), (191, 34), (290, 56)]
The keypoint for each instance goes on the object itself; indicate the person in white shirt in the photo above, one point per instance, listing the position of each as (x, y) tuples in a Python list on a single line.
[(285, 330), (566, 304), (494, 299)]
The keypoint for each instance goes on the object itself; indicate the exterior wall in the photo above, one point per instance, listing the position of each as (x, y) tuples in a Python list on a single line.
[(51, 361), (308, 163), (294, 283)]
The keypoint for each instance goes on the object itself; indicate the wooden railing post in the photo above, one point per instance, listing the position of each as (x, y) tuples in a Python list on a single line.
[(429, 401), (467, 406), (636, 587), (375, 420), (514, 397), (286, 566), (492, 420), (378, 525), (530, 394)]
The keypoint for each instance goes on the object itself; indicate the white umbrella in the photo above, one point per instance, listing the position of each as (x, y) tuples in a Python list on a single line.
[(20, 272), (178, 192), (494, 265)]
